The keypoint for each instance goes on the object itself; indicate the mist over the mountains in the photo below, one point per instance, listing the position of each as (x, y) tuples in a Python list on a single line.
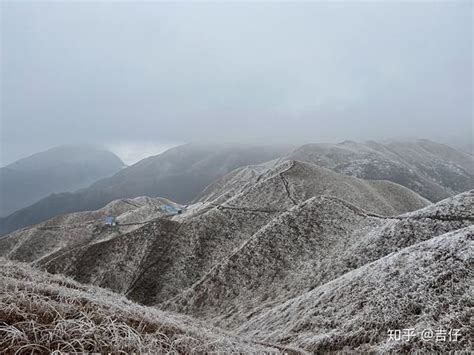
[(236, 177), (116, 73)]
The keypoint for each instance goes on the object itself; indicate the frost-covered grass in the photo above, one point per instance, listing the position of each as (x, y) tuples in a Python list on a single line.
[(290, 254), (326, 239), (42, 313), (433, 170), (425, 286)]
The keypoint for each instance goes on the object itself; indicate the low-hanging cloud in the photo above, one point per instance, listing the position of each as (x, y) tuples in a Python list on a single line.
[(114, 72)]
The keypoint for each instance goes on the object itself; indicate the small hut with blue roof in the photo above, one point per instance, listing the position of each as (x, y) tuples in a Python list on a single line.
[(110, 221)]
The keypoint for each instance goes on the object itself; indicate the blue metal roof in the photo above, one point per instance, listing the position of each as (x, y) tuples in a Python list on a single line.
[(109, 220), (169, 209)]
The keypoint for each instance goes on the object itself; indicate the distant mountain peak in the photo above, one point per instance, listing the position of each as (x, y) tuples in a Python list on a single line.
[(59, 169), (66, 154)]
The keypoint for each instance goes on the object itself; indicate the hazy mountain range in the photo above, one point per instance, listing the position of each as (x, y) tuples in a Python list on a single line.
[(65, 168), (259, 228), (179, 174), (287, 255), (433, 170)]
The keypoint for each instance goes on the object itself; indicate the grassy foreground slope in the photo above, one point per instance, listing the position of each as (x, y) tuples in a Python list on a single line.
[(425, 286), (41, 313)]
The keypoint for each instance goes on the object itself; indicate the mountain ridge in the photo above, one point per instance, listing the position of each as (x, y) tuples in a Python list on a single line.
[(60, 169), (350, 237), (182, 248), (287, 254), (179, 174), (433, 170), (186, 173)]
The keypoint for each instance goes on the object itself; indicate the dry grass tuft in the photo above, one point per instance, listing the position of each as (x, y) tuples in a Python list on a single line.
[(43, 313)]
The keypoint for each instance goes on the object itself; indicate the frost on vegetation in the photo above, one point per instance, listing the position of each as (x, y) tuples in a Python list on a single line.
[(286, 253), (41, 313)]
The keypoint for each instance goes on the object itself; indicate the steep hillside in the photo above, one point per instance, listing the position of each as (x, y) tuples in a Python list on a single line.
[(423, 287), (60, 169), (296, 182), (179, 174), (162, 258), (288, 254), (433, 170), (236, 181), (312, 244), (41, 313)]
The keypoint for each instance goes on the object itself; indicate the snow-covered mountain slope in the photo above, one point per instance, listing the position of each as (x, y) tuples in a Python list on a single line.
[(427, 286), (313, 243), (160, 259), (43, 313), (433, 170), (292, 182), (72, 230), (179, 174), (287, 253)]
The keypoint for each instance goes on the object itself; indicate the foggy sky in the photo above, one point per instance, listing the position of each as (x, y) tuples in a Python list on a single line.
[(119, 74)]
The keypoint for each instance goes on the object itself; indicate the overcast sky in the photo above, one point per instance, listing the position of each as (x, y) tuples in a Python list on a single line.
[(154, 73)]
